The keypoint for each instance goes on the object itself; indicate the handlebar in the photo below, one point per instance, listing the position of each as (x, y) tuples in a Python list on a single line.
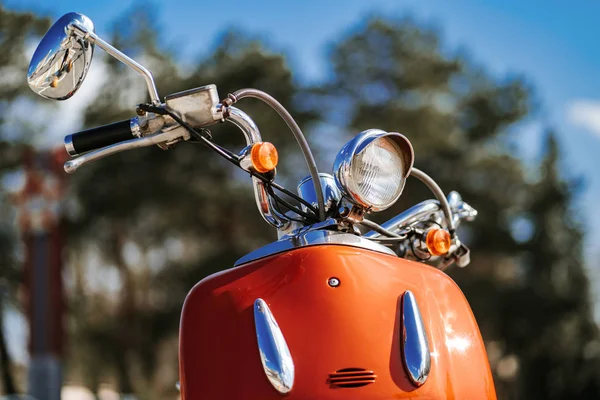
[(103, 136), (428, 210), (120, 136)]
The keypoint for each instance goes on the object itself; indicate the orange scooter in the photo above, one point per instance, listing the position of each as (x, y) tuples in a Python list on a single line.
[(339, 307)]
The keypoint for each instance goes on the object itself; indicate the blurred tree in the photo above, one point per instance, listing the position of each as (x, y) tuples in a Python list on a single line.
[(526, 283), (9, 279), (16, 28), (554, 337)]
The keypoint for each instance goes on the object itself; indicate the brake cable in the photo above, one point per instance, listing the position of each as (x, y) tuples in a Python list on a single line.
[(296, 131), (203, 136)]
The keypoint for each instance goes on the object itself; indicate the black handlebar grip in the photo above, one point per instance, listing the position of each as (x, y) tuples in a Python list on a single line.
[(97, 138)]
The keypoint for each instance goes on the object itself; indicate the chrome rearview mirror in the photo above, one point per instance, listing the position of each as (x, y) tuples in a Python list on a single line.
[(62, 59)]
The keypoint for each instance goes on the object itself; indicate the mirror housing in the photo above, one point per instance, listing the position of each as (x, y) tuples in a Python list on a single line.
[(62, 59)]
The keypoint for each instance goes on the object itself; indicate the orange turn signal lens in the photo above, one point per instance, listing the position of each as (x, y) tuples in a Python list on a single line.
[(438, 242), (264, 157)]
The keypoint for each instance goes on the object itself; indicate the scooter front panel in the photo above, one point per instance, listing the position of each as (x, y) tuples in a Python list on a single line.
[(345, 340)]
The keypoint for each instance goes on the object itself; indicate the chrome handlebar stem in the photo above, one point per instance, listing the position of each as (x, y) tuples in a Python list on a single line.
[(252, 135)]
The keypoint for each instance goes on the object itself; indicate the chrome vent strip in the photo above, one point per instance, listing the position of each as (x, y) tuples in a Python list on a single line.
[(415, 346), (274, 352)]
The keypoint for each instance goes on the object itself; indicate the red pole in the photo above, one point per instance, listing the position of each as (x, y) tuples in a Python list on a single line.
[(40, 223)]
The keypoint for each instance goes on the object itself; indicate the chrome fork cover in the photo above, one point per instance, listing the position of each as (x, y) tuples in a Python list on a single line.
[(415, 346)]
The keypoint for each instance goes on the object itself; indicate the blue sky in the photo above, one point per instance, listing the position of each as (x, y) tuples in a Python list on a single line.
[(554, 44)]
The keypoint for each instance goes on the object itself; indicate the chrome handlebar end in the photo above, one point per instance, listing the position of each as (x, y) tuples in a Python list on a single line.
[(69, 146)]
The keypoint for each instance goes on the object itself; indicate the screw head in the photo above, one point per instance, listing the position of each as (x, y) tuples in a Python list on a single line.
[(333, 282)]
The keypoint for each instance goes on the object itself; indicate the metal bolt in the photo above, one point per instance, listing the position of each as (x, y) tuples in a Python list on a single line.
[(333, 282)]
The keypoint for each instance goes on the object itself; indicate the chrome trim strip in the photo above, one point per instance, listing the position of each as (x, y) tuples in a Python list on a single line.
[(69, 146), (313, 237), (274, 352), (415, 346)]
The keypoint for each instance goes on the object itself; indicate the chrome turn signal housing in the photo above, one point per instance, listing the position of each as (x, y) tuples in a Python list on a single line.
[(371, 169)]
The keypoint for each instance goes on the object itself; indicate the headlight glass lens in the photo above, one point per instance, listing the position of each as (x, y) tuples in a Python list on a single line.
[(378, 173)]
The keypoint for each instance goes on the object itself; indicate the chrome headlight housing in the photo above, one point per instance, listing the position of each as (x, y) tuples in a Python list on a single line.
[(372, 168)]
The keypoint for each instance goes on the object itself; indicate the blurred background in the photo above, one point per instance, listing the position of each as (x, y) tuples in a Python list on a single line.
[(500, 99)]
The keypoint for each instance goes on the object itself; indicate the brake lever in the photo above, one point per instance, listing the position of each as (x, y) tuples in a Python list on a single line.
[(169, 137)]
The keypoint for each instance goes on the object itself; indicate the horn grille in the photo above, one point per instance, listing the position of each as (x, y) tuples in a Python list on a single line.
[(351, 378)]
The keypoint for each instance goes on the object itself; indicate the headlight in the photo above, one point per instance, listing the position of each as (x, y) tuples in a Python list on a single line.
[(372, 168)]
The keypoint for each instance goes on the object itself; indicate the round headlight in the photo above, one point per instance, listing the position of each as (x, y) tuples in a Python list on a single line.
[(372, 168)]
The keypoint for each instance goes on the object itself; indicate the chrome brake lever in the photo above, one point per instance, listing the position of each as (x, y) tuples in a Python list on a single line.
[(168, 137)]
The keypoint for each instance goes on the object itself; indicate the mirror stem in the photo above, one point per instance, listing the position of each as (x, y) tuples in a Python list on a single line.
[(95, 39)]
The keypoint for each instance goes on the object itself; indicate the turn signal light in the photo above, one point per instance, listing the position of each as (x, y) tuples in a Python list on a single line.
[(438, 241), (264, 157)]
